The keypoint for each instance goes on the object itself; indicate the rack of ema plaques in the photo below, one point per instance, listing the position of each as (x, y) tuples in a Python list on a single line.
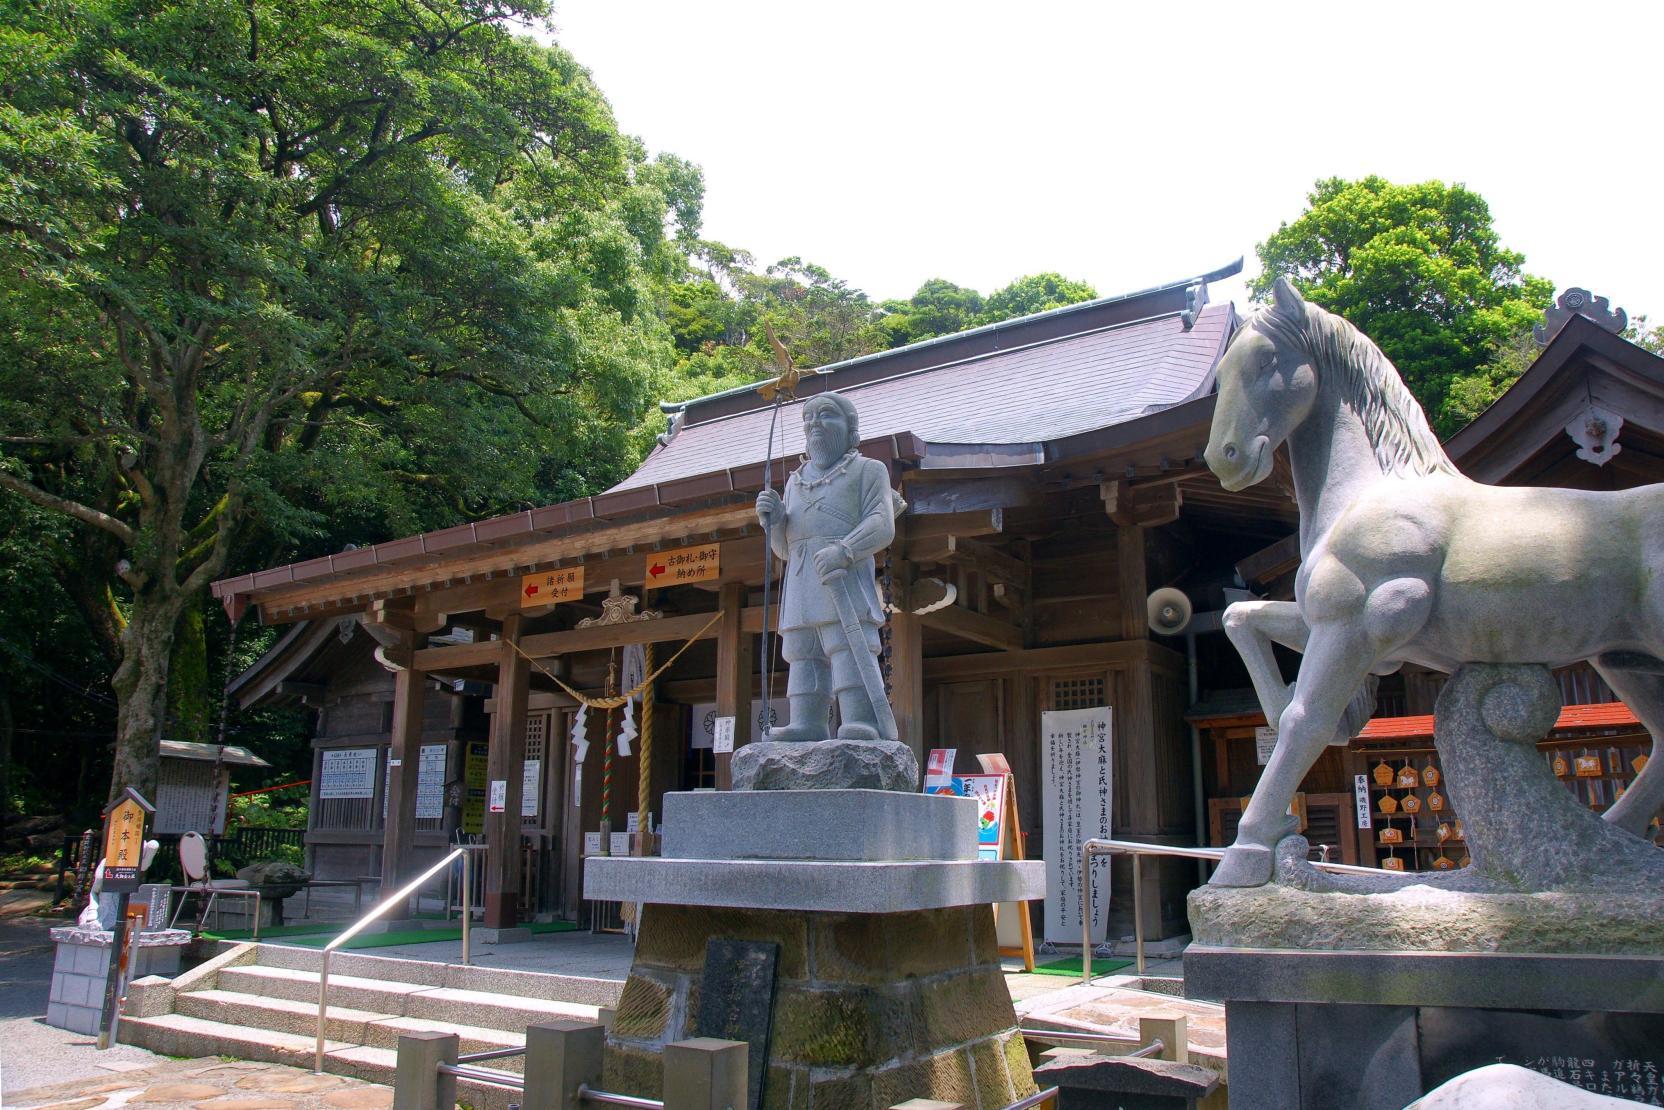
[(846, 935)]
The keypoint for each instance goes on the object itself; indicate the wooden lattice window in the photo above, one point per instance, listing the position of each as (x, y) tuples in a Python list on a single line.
[(1078, 693), (537, 747)]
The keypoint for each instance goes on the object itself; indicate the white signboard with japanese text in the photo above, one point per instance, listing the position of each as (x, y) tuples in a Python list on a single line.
[(430, 782), (348, 773), (531, 782), (703, 726), (1076, 790)]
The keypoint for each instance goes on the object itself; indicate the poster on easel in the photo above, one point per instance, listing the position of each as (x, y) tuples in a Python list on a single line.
[(1075, 794), (998, 836)]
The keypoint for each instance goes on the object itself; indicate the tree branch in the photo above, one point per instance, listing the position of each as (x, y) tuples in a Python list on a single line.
[(32, 492)]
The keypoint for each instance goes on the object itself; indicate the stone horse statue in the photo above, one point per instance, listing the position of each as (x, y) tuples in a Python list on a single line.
[(1403, 559)]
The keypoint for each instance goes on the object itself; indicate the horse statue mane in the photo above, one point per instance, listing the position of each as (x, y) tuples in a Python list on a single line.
[(1392, 418)]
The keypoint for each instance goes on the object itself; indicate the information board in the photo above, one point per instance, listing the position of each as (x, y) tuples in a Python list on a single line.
[(473, 783), (1076, 791), (430, 782), (348, 773), (531, 782)]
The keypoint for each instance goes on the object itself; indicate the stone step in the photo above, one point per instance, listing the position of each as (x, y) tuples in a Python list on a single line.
[(479, 1009), (192, 1037), (377, 995), (498, 981), (252, 1011)]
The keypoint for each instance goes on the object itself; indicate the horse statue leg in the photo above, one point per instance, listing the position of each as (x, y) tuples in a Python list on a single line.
[(1337, 661), (1253, 626), (1639, 680)]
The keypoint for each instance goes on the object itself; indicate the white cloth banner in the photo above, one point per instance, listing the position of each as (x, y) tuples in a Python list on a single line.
[(1076, 786), (627, 729), (580, 738)]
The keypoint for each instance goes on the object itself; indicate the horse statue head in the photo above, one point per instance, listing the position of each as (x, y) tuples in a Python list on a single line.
[(1292, 358)]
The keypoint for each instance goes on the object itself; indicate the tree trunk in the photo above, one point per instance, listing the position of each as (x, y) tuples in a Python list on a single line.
[(188, 693), (141, 685)]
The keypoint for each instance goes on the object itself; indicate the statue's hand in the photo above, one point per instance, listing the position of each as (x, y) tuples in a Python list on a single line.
[(770, 509), (831, 559)]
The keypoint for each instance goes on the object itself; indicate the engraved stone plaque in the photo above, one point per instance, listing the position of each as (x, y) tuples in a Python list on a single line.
[(736, 1001)]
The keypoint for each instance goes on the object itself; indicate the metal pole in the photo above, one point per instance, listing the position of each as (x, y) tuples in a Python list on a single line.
[(323, 1009), (467, 909), (1085, 917), (1138, 912)]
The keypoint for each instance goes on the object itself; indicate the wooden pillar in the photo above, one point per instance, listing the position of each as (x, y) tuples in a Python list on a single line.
[(906, 655), (735, 662), (399, 836), (506, 764), (1135, 729)]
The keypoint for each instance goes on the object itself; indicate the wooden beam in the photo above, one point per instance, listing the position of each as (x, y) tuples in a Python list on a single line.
[(994, 664), (988, 560), (984, 522), (399, 839), (691, 526), (1131, 585), (1145, 504), (977, 627), (734, 671), (504, 763), (907, 663), (1272, 562)]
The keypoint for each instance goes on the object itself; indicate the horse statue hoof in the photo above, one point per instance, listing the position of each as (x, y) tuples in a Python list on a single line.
[(1244, 865)]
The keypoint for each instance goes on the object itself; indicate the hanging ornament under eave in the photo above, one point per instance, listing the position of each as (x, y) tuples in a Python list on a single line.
[(580, 730), (627, 729)]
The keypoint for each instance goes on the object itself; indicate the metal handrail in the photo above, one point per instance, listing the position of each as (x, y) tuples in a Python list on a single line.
[(586, 1093), (397, 898), (1035, 1099), (1137, 849), (492, 1076)]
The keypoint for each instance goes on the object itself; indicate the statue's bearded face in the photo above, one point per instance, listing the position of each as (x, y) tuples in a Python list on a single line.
[(826, 432)]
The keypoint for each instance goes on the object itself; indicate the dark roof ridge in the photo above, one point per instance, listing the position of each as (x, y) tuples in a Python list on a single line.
[(1230, 269)]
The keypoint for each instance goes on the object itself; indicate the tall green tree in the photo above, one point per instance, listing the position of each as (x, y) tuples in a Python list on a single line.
[(266, 259), (939, 307), (1035, 293), (1421, 270)]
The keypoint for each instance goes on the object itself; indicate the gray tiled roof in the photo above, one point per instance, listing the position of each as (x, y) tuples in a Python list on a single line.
[(1033, 394)]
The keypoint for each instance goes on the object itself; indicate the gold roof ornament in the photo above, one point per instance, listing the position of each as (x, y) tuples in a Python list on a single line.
[(783, 387)]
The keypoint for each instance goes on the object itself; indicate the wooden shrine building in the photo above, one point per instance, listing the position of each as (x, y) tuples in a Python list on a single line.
[(1052, 467)]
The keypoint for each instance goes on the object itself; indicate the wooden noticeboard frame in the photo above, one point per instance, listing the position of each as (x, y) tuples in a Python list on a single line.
[(1011, 848)]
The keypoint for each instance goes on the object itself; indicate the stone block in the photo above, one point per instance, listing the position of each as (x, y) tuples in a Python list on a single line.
[(946, 1075), (881, 948), (826, 765), (632, 1071), (889, 887), (967, 1007), (486, 934), (674, 936), (818, 825), (1018, 1065), (1147, 1082), (822, 1028), (644, 1009), (993, 1080), (838, 1092), (780, 1091)]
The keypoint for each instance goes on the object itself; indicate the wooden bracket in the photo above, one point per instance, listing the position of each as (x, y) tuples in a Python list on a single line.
[(1146, 504)]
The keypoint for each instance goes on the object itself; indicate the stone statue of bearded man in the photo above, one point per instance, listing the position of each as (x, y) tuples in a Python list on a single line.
[(836, 512)]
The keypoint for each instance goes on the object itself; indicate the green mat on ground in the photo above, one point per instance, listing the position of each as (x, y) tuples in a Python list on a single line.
[(318, 935), (1071, 967)]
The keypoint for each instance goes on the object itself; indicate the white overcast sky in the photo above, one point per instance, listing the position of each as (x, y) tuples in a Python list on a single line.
[(1134, 144)]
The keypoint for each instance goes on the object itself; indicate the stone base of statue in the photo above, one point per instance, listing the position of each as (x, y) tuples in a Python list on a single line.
[(1375, 1030), (846, 935), (826, 765), (1545, 951)]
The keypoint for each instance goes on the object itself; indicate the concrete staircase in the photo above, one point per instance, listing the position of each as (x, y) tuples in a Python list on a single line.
[(260, 1002)]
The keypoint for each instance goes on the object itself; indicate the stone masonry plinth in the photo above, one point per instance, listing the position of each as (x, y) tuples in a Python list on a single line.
[(888, 984), (869, 1009)]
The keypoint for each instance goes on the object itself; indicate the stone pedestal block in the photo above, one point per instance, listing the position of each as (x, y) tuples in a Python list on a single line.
[(869, 1009), (826, 765), (81, 968), (862, 825), (877, 923), (1376, 1030)]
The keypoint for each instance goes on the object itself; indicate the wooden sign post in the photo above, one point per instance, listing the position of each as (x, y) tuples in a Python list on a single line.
[(124, 821), (1011, 847)]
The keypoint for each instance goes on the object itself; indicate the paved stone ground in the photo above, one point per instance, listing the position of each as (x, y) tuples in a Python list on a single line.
[(208, 1084)]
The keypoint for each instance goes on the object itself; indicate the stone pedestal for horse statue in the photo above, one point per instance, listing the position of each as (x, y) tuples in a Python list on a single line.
[(1367, 990)]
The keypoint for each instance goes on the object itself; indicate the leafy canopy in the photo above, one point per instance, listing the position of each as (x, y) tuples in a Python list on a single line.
[(1420, 269)]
